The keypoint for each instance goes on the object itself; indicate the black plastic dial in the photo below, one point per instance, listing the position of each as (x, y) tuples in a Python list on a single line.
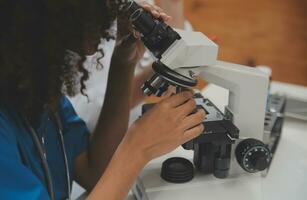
[(253, 155)]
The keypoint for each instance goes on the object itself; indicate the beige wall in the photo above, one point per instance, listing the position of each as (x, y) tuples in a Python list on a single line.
[(259, 32)]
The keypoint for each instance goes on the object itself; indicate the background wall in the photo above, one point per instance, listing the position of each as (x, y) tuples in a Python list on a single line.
[(261, 32)]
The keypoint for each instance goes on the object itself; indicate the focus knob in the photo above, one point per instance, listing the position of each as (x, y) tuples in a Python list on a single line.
[(253, 155)]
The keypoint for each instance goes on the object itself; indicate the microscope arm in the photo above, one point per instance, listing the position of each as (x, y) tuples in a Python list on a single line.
[(248, 88)]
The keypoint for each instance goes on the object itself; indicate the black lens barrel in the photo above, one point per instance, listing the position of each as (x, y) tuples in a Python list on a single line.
[(143, 21)]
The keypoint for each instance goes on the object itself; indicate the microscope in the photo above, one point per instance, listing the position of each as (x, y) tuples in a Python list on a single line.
[(239, 140)]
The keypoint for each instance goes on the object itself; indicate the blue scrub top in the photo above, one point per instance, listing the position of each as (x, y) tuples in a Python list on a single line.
[(21, 172)]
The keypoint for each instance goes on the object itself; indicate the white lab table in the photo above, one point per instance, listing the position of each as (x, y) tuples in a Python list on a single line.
[(287, 177)]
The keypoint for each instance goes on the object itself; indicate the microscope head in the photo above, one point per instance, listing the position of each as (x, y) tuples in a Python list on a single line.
[(177, 51), (156, 35)]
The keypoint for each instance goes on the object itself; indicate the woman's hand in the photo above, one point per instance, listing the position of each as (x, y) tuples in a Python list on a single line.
[(165, 127), (129, 46), (176, 9), (162, 129)]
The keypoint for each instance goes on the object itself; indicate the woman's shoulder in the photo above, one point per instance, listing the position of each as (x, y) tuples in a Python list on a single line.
[(7, 124), (6, 116), (65, 104), (66, 108), (67, 112)]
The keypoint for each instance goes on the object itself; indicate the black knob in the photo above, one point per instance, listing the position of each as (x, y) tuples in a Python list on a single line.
[(253, 155), (177, 170)]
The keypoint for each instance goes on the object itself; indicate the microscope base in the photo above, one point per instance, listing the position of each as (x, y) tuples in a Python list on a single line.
[(150, 186)]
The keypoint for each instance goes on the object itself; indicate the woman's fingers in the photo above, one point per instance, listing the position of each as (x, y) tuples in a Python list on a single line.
[(170, 92), (178, 99), (160, 10), (165, 17), (156, 11), (194, 119), (192, 133), (187, 108)]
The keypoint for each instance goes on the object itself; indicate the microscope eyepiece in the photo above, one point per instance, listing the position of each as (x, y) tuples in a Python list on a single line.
[(143, 21), (125, 5), (156, 35), (135, 15)]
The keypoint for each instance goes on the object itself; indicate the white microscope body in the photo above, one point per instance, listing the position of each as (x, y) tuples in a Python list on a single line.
[(233, 143), (196, 55)]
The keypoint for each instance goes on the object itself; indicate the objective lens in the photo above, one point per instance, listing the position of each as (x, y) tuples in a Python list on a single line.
[(155, 85), (163, 88)]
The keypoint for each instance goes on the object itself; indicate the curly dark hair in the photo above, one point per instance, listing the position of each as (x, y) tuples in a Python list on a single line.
[(43, 44)]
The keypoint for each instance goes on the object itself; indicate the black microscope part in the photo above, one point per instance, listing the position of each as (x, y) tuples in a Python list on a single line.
[(158, 37), (212, 149), (222, 161), (155, 85), (163, 78), (172, 76), (156, 34), (260, 162), (177, 170), (253, 155), (143, 22)]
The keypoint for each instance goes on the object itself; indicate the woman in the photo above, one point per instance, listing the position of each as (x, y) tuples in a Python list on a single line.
[(44, 145)]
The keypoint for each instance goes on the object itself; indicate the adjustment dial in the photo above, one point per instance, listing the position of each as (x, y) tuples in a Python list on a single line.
[(253, 155)]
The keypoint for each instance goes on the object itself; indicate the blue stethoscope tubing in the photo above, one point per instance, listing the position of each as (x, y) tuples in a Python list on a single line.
[(43, 156)]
